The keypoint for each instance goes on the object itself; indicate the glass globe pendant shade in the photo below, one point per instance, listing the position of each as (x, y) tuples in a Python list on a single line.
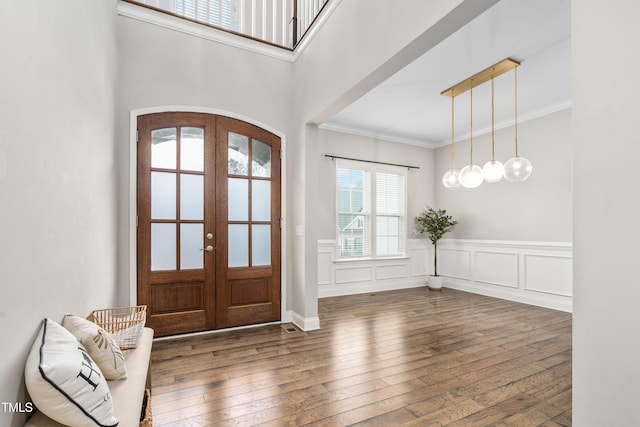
[(471, 176), (517, 169), (451, 179), (493, 171)]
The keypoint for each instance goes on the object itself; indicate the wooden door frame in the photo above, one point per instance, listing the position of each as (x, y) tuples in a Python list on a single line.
[(285, 314)]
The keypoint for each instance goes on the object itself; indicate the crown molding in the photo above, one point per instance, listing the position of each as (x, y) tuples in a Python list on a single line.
[(445, 142), (508, 123), (376, 135)]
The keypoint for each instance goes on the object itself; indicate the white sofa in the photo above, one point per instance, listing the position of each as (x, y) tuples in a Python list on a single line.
[(127, 394)]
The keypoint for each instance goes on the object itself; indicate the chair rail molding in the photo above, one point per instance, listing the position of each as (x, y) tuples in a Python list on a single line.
[(537, 273)]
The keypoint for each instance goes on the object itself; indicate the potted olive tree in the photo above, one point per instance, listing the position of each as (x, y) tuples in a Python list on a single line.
[(434, 223)]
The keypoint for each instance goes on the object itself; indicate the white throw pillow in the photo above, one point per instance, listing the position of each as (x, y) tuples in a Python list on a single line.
[(64, 382), (100, 345)]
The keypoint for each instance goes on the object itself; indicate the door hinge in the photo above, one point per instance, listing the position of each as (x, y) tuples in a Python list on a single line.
[(137, 136), (281, 154), (136, 221)]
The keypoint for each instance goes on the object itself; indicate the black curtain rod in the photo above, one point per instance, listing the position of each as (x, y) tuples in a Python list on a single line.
[(371, 161)]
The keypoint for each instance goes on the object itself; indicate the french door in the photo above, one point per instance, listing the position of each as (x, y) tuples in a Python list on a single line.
[(208, 222)]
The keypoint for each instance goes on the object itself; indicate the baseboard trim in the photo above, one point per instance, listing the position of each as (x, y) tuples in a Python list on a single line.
[(555, 302), (306, 324)]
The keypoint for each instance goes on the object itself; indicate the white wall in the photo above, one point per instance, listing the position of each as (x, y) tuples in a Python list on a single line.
[(538, 209), (606, 200), (57, 172), (159, 66)]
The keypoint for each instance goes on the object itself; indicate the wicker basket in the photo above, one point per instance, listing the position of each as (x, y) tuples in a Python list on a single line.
[(145, 415), (124, 324)]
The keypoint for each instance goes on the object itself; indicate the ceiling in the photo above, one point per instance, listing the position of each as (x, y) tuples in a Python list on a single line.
[(408, 107)]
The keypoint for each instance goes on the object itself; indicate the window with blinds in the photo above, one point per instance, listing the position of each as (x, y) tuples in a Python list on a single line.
[(390, 214), (220, 13), (353, 212), (370, 210)]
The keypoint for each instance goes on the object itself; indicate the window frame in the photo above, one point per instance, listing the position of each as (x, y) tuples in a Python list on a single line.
[(371, 250)]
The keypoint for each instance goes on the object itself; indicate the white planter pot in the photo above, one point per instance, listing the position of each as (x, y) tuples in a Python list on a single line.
[(435, 283)]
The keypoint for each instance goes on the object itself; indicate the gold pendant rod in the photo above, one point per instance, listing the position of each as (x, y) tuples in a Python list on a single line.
[(477, 79)]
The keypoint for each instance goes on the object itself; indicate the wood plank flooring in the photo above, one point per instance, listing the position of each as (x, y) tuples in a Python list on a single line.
[(401, 358)]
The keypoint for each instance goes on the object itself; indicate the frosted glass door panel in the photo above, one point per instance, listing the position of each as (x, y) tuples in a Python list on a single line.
[(261, 244), (191, 196), (238, 154), (238, 245), (191, 238), (163, 148), (163, 247), (238, 199), (192, 149), (163, 195), (260, 200), (260, 159)]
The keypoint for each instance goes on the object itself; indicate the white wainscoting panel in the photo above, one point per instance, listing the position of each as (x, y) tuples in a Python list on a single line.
[(538, 273), (549, 274), (497, 268), (392, 271), (454, 262), (353, 273), (337, 277)]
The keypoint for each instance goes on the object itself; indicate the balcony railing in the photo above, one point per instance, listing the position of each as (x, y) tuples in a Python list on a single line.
[(282, 23)]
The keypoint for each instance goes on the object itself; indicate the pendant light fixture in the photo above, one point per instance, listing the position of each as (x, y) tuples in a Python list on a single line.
[(517, 169), (493, 169), (451, 178), (471, 175)]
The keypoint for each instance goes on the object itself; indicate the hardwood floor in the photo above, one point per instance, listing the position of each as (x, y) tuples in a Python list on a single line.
[(410, 357)]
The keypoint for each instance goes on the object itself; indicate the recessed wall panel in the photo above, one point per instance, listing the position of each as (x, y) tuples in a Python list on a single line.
[(454, 263), (353, 274), (552, 275), (396, 271), (497, 268)]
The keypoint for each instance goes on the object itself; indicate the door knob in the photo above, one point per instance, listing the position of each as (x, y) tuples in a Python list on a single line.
[(208, 249)]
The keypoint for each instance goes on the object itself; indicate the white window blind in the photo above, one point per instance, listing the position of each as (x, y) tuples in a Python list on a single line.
[(221, 13), (390, 214), (370, 210), (353, 212)]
